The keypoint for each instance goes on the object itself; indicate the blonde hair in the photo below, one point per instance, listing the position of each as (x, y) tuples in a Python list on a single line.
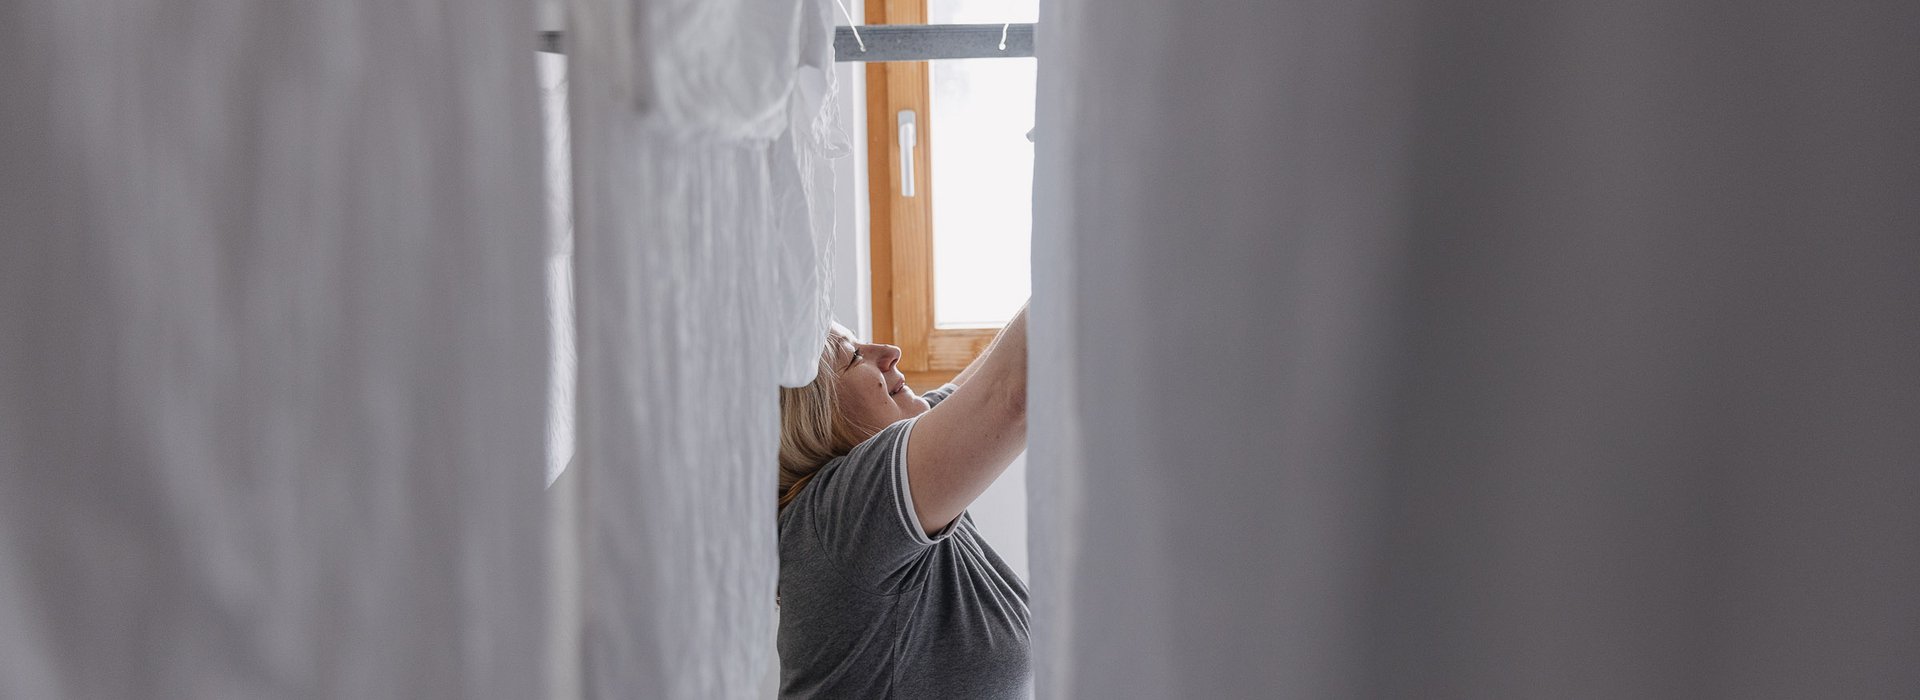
[(813, 430)]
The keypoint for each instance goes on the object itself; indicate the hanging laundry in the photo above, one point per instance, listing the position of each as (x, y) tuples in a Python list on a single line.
[(271, 380), (701, 227)]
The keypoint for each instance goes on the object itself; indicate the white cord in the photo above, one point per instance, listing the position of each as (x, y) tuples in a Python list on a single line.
[(855, 26), (1003, 35)]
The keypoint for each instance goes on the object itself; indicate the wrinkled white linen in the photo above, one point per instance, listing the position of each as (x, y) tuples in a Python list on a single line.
[(802, 180), (699, 279), (271, 363), (563, 372), (1505, 349), (719, 69)]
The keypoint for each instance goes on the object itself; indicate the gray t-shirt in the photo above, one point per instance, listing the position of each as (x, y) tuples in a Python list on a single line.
[(870, 607)]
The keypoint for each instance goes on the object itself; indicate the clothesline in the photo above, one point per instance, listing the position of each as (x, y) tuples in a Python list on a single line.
[(906, 42)]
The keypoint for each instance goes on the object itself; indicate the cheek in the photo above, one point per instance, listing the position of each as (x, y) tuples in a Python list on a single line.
[(864, 400), (860, 408)]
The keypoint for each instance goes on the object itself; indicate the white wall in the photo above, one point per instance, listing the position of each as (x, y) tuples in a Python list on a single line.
[(1001, 514)]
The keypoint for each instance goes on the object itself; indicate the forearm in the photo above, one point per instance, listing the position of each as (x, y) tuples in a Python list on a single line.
[(1016, 327), (1003, 367)]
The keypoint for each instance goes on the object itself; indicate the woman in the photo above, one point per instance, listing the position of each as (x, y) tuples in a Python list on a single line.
[(886, 589)]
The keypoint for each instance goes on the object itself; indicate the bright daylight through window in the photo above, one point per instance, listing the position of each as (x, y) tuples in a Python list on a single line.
[(983, 169)]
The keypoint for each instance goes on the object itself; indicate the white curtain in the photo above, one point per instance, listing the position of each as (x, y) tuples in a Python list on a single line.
[(701, 216), (1477, 349), (271, 350)]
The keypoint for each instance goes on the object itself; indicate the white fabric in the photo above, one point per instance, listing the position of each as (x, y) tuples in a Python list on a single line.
[(1496, 349), (705, 68), (563, 372), (803, 181), (699, 284), (271, 350), (564, 568)]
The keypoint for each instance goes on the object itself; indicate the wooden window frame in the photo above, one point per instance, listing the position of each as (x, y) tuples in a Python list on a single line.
[(901, 230)]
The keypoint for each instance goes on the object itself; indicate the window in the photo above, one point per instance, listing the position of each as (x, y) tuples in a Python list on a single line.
[(950, 255)]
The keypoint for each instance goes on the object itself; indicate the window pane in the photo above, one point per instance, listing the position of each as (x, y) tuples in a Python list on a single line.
[(982, 179), (982, 188), (982, 11)]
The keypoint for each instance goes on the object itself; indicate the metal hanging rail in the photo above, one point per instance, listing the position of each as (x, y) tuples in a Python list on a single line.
[(932, 42), (907, 42)]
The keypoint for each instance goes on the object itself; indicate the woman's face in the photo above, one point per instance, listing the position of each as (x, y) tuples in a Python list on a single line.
[(872, 391)]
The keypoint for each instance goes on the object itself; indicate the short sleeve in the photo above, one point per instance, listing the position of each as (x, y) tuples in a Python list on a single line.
[(937, 395), (860, 509)]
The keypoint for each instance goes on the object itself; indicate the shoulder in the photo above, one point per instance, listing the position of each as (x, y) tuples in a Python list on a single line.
[(874, 460)]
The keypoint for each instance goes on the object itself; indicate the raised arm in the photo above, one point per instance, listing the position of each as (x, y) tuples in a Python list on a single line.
[(959, 447), (974, 366)]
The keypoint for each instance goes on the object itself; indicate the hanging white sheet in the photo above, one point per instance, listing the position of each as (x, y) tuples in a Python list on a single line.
[(719, 69), (699, 239), (803, 215), (1498, 349), (271, 350), (563, 372)]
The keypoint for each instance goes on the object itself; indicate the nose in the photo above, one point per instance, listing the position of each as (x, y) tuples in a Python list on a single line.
[(889, 356)]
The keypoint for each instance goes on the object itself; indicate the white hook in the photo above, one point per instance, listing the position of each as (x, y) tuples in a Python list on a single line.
[(855, 26)]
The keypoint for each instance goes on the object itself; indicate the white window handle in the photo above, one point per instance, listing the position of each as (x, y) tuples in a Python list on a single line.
[(907, 141)]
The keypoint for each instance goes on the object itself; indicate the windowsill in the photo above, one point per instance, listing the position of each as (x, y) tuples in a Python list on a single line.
[(923, 382), (969, 326)]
